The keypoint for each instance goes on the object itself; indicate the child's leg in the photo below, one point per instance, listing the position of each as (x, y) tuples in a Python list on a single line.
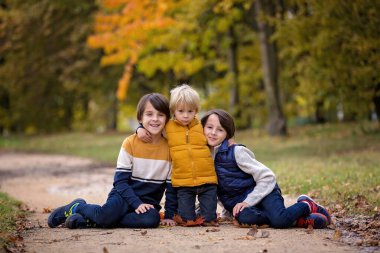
[(107, 215), (279, 216), (149, 219), (252, 216), (186, 202), (207, 196)]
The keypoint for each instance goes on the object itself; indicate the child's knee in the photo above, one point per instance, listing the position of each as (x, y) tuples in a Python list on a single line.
[(151, 219)]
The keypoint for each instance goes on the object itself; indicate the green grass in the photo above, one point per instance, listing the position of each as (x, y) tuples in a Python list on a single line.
[(9, 213), (102, 147), (338, 164)]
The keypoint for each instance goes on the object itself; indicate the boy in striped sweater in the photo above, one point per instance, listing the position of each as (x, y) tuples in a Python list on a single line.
[(142, 175)]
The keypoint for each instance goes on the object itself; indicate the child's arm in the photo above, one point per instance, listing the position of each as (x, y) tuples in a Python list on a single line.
[(263, 176), (144, 134), (122, 175)]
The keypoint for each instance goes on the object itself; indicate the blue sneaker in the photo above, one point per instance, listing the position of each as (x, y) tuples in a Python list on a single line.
[(59, 215), (314, 207), (316, 220), (76, 221)]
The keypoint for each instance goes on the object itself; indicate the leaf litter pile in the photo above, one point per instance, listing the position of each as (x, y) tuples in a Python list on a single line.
[(358, 230)]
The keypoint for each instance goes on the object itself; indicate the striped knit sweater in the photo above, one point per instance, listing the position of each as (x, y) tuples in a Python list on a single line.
[(143, 173)]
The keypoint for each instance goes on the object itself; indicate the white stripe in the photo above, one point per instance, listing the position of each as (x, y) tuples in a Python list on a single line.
[(151, 169), (147, 180), (123, 170), (124, 160)]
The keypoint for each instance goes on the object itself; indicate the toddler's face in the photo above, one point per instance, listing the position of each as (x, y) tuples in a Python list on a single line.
[(214, 132), (153, 120), (184, 114)]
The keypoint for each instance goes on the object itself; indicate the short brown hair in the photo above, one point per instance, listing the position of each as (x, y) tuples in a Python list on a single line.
[(158, 101), (225, 120)]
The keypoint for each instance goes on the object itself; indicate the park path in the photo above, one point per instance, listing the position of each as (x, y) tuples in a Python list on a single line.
[(43, 182)]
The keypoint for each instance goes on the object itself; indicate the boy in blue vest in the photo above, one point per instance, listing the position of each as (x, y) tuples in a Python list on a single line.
[(247, 188)]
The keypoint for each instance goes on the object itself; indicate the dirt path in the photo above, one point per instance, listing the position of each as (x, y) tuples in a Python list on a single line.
[(47, 181)]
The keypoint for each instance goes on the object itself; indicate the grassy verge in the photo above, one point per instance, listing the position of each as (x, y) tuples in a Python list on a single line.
[(9, 213), (338, 164)]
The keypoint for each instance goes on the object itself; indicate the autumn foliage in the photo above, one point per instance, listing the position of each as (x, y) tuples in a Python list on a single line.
[(123, 29)]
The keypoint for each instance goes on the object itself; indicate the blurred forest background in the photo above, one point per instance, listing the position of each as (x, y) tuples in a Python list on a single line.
[(82, 65)]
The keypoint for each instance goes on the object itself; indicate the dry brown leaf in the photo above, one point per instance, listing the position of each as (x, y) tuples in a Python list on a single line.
[(213, 230), (46, 210), (309, 229), (144, 232), (105, 250), (245, 238), (337, 235), (252, 231)]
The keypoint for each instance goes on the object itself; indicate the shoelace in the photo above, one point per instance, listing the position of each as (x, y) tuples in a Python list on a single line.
[(70, 212)]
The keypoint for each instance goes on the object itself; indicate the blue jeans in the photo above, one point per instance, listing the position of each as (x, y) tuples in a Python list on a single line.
[(271, 210), (207, 197), (116, 212)]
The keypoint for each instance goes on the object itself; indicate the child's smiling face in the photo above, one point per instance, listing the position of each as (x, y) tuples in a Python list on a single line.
[(214, 132), (153, 120)]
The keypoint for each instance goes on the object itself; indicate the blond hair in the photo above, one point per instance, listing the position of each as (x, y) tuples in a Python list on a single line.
[(184, 95)]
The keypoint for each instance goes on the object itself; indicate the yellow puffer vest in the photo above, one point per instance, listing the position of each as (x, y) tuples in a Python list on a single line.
[(191, 158)]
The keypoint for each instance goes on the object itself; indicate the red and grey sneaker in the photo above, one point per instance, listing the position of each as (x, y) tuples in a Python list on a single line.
[(316, 220), (314, 207)]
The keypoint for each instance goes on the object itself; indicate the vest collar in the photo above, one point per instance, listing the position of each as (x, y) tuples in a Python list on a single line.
[(224, 146)]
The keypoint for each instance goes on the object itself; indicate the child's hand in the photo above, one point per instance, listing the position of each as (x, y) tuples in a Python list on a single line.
[(143, 208), (238, 208), (168, 222), (144, 135)]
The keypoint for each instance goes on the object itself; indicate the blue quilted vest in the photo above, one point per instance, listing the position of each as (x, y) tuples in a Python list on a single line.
[(233, 184)]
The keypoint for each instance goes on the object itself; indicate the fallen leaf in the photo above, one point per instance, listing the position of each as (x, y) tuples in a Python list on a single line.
[(105, 250), (309, 229), (213, 230), (245, 238), (252, 231), (46, 210), (337, 235), (144, 232)]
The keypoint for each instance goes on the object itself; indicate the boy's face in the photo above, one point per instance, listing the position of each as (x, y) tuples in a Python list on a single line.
[(214, 132), (184, 114), (153, 121)]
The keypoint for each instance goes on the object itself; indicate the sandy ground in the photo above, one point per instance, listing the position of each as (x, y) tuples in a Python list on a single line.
[(47, 181)]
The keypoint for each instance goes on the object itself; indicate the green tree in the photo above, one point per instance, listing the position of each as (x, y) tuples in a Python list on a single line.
[(48, 75), (330, 55)]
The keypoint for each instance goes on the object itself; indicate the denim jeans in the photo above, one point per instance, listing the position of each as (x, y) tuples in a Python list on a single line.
[(116, 212), (207, 197), (271, 210)]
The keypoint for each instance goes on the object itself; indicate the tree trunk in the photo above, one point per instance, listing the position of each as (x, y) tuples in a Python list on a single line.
[(233, 70), (112, 113), (276, 123), (376, 101)]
